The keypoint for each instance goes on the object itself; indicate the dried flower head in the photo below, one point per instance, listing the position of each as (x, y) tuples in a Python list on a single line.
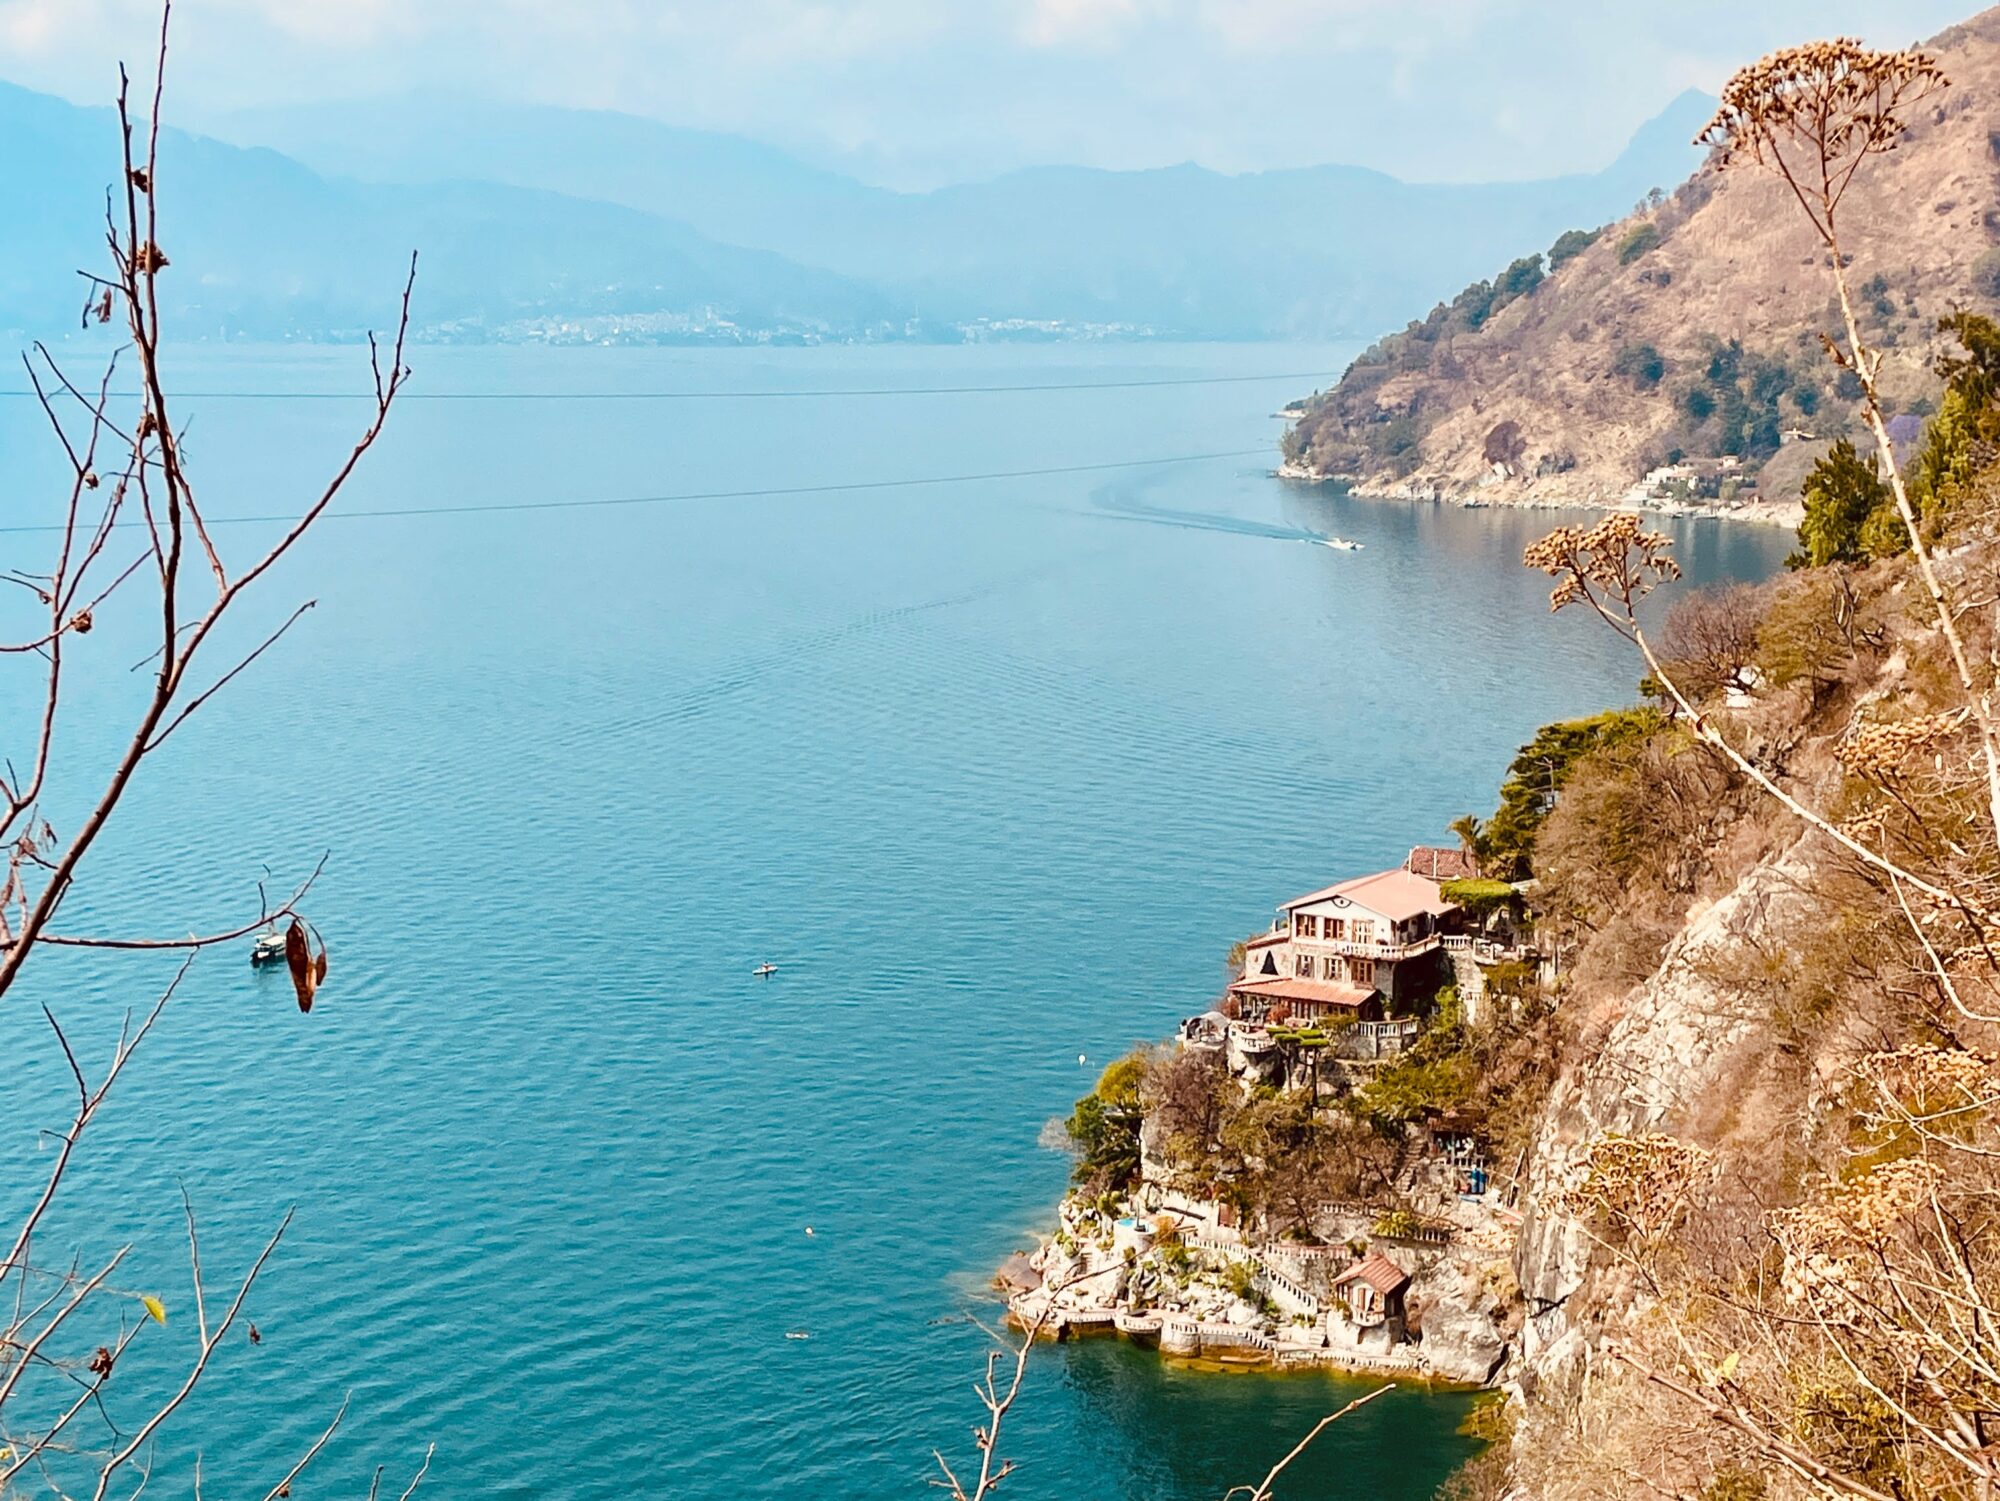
[(1868, 826), (1832, 1248), (1613, 556), (1642, 1186), (1882, 752), (1930, 1083), (1813, 114)]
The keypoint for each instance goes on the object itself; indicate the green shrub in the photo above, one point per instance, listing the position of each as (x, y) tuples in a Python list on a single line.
[(1570, 244), (1519, 279), (1475, 304), (1105, 1125), (1641, 364), (1477, 896), (1698, 402), (1841, 493), (1537, 774), (1399, 1222), (1638, 240)]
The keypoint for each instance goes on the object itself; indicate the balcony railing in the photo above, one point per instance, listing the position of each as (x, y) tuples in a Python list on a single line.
[(1370, 950), (1485, 949)]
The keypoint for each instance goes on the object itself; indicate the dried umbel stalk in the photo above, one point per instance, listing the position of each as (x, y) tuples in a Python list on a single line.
[(1835, 1249), (1883, 752), (1643, 1186), (1613, 556), (1813, 114)]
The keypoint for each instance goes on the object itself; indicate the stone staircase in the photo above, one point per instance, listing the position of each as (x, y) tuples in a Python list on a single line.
[(1471, 984), (1273, 1283)]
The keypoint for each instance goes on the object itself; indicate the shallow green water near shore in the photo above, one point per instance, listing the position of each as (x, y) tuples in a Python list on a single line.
[(994, 771)]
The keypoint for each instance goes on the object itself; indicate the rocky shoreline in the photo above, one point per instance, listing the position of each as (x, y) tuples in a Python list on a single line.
[(1756, 513), (1168, 1272)]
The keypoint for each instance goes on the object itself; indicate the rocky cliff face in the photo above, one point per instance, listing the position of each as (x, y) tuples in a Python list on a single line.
[(1570, 390), (1675, 1056)]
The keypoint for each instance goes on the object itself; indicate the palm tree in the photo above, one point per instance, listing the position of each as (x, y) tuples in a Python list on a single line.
[(1468, 829)]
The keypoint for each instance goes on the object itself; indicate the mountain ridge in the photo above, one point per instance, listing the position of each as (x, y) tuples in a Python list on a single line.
[(1686, 330), (1333, 251), (284, 250)]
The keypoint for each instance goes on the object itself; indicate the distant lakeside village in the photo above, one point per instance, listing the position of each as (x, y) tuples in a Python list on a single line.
[(1227, 1208)]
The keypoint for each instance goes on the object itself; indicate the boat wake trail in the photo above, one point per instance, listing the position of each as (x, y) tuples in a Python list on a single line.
[(1117, 503)]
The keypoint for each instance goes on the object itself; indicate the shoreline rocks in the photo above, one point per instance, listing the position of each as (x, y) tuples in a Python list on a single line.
[(1755, 513), (1182, 1283)]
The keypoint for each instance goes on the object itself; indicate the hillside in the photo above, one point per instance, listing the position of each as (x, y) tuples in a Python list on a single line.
[(1688, 329), (287, 252), (1321, 252)]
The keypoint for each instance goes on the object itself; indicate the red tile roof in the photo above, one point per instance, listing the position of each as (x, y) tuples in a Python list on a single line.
[(1438, 864), (1379, 1272), (1315, 992), (1394, 894), (1265, 940)]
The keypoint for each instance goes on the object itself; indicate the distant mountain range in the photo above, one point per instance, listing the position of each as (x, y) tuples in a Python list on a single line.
[(548, 223), (265, 246)]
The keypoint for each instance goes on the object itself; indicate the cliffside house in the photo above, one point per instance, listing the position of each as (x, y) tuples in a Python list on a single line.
[(1353, 952), (1373, 1289)]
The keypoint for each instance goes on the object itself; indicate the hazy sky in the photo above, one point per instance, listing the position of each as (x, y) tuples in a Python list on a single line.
[(916, 91)]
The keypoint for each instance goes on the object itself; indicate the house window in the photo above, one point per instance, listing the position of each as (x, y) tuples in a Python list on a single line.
[(1304, 966), (1364, 930), (1306, 924), (1336, 928), (1363, 971), (1329, 968)]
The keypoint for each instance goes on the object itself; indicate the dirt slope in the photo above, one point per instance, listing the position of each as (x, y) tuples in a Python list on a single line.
[(1610, 365)]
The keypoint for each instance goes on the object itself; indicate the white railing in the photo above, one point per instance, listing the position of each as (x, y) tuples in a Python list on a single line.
[(1286, 1293), (1281, 1289), (1485, 949), (1402, 1026), (1370, 950), (1206, 1332)]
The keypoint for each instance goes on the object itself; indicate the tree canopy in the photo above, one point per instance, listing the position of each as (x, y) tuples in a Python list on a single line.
[(1105, 1124), (1536, 776), (1841, 493), (1570, 244)]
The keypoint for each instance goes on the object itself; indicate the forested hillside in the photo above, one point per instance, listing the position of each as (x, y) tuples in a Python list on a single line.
[(1688, 330)]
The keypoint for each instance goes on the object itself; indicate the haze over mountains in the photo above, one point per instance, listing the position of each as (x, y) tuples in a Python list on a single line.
[(539, 222)]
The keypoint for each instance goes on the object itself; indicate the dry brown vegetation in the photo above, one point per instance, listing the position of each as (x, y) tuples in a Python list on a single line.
[(1690, 326), (1790, 1272)]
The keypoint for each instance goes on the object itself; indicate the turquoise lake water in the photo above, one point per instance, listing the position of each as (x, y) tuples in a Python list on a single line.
[(994, 771)]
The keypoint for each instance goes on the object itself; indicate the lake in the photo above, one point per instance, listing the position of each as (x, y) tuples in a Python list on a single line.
[(994, 769)]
